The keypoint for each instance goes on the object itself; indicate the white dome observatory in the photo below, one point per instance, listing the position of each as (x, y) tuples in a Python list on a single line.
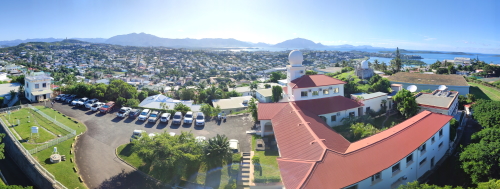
[(364, 64), (295, 58)]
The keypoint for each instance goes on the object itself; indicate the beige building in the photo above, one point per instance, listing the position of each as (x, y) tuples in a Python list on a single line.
[(37, 86)]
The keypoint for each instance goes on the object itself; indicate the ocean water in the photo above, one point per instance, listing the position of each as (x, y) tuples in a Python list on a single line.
[(428, 58)]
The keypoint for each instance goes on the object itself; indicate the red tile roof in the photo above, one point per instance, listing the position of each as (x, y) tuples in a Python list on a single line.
[(307, 81), (327, 105), (266, 111), (314, 156)]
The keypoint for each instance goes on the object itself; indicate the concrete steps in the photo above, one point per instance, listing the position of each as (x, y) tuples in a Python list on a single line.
[(246, 170)]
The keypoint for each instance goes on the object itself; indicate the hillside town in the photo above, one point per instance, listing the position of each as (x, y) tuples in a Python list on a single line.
[(263, 118)]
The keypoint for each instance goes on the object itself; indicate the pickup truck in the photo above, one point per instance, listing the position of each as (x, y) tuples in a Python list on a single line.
[(107, 107)]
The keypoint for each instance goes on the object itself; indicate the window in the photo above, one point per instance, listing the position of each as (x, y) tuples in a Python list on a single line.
[(395, 168), (440, 144), (367, 109), (326, 91), (44, 85), (315, 93), (37, 86), (351, 114), (433, 140), (422, 148), (334, 118), (377, 176), (432, 162), (409, 159), (352, 187), (303, 94), (336, 90), (441, 133), (422, 162)]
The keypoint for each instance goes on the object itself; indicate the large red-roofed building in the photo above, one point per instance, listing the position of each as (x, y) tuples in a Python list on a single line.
[(312, 155)]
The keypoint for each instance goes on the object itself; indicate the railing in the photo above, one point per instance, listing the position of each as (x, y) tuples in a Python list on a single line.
[(72, 131), (50, 143), (28, 156), (13, 108)]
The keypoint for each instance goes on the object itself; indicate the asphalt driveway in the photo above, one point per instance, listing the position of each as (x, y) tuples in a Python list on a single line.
[(95, 149)]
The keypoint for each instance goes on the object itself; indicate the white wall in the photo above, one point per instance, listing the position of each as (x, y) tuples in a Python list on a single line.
[(374, 103), (451, 111), (297, 92), (342, 114), (412, 170), (31, 86)]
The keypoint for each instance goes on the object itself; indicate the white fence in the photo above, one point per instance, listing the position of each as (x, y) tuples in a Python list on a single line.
[(72, 131), (30, 158), (51, 143)]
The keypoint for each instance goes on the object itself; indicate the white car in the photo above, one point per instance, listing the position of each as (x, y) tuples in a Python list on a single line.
[(74, 102), (154, 116), (144, 115), (165, 117), (234, 145), (188, 118), (89, 103), (200, 119), (123, 112), (82, 101), (171, 134), (96, 106), (152, 135), (137, 134)]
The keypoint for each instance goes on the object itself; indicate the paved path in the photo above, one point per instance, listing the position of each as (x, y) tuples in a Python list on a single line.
[(95, 149)]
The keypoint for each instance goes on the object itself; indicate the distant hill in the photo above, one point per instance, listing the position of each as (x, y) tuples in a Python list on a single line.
[(143, 39), (299, 43)]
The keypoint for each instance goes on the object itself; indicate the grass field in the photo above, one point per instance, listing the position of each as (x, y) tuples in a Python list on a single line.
[(228, 173), (484, 92), (63, 171), (361, 87), (79, 127), (269, 164), (24, 128)]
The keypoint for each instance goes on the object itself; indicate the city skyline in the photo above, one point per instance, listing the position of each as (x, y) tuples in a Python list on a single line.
[(465, 26)]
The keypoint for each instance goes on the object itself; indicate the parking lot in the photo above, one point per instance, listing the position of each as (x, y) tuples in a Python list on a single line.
[(95, 149)]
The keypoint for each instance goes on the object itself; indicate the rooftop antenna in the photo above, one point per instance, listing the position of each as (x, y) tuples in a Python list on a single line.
[(412, 88)]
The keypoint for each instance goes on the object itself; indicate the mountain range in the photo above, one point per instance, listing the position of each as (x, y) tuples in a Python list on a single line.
[(143, 39)]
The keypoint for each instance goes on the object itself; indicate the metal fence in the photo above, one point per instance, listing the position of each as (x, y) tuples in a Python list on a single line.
[(72, 131), (50, 143), (13, 108), (30, 158)]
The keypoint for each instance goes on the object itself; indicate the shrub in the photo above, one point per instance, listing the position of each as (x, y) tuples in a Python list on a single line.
[(237, 157), (256, 160)]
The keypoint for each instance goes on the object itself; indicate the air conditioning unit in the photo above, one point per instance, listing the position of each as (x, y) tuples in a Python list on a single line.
[(301, 71), (320, 89)]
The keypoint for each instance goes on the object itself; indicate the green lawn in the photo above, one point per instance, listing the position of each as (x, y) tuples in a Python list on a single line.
[(79, 127), (228, 173), (484, 92), (396, 119), (24, 128), (270, 171), (361, 87), (63, 171)]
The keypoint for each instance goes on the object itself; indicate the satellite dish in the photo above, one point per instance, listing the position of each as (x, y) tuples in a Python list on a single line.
[(442, 87), (412, 88)]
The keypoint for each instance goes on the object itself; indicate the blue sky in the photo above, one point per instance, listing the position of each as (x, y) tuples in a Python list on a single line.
[(469, 26)]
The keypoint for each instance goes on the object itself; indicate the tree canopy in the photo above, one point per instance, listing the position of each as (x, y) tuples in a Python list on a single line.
[(406, 103), (277, 90), (487, 113)]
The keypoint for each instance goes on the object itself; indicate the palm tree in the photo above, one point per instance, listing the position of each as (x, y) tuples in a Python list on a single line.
[(218, 150), (376, 64), (253, 87)]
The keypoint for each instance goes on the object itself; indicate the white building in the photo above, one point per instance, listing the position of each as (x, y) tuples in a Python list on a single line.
[(233, 104), (156, 100), (312, 155), (444, 102), (37, 86), (372, 101)]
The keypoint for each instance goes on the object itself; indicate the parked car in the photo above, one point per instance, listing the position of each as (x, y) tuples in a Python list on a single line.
[(200, 138), (69, 98), (171, 134), (96, 106), (188, 118), (134, 113), (123, 112), (165, 117), (234, 145), (64, 97), (137, 134), (153, 117), (90, 102), (82, 101), (74, 102), (144, 114), (200, 119), (177, 119), (107, 107), (58, 97)]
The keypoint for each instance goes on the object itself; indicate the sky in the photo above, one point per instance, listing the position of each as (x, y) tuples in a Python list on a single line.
[(445, 25)]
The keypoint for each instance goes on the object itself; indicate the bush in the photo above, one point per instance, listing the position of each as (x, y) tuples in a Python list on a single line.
[(256, 160), (237, 157), (264, 179)]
